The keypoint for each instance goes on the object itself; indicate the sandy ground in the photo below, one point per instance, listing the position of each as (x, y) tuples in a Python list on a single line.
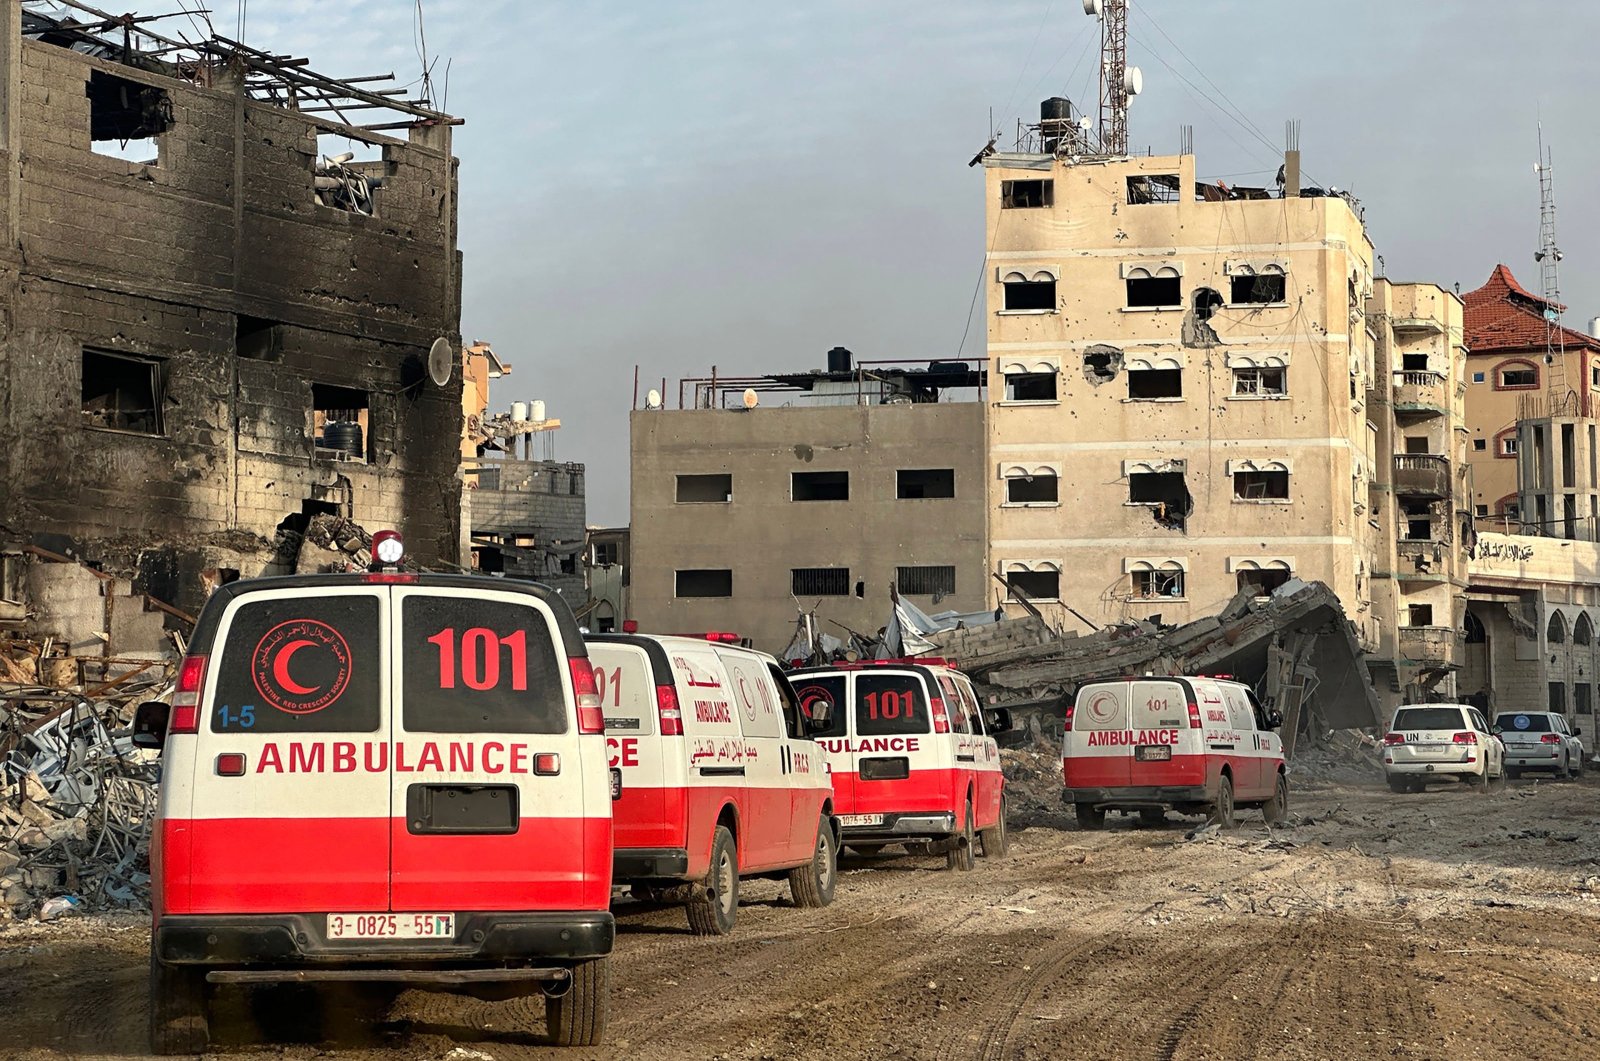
[(1448, 924)]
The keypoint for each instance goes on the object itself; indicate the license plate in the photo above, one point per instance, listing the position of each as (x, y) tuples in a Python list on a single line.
[(1150, 753), (860, 819), (392, 926)]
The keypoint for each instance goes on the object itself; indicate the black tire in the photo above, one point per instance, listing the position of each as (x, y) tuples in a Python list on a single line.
[(1090, 816), (714, 913), (578, 1017), (1513, 773), (1276, 809), (1152, 816), (1400, 785), (1222, 809), (995, 840), (1578, 773), (180, 1018), (812, 884), (961, 856), (1481, 781)]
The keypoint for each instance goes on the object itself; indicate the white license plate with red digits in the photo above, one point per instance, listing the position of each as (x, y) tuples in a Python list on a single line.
[(392, 926), (1152, 753), (860, 819)]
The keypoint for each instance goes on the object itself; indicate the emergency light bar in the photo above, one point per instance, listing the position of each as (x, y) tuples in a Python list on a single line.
[(388, 549), (905, 661)]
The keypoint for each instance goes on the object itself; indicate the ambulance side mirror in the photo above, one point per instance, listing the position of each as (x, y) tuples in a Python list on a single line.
[(821, 713), (1274, 718), (998, 719), (150, 724)]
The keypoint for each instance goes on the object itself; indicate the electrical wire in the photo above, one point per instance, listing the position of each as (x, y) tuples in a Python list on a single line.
[(1023, 69)]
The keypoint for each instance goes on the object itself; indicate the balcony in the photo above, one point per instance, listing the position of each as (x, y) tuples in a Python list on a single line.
[(1421, 475), (1417, 325), (1433, 646), (1422, 560), (1425, 393)]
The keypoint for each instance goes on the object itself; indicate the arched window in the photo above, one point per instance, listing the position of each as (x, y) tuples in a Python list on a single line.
[(1476, 634), (1516, 374), (1505, 444), (1556, 634), (1583, 630)]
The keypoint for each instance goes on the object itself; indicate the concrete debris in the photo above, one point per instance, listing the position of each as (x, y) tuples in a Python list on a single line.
[(76, 797)]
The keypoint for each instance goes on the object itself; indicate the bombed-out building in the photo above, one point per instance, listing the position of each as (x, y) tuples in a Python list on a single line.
[(229, 305)]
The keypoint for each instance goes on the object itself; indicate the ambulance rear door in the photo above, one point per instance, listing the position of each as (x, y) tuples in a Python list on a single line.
[(1094, 752), (287, 806), (499, 803), (898, 761), (651, 812), (833, 740)]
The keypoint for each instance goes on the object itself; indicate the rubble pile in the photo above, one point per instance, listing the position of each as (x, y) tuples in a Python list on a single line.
[(76, 797)]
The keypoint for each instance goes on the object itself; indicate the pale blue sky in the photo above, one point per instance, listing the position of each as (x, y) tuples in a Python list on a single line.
[(682, 184)]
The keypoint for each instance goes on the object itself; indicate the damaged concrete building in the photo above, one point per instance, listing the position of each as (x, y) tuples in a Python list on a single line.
[(1197, 389), (226, 311)]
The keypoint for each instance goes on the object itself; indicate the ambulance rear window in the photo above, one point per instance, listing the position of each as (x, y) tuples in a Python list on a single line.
[(301, 664), (890, 703), (478, 666), (811, 688)]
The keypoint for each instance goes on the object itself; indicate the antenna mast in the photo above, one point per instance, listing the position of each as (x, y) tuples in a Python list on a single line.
[(1119, 82), (1549, 258)]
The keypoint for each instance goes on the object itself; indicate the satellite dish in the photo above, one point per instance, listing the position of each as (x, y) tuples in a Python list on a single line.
[(1093, 8), (441, 361), (1133, 81), (652, 400), (751, 398)]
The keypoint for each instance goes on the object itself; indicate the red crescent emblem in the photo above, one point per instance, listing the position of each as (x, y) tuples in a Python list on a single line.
[(317, 650)]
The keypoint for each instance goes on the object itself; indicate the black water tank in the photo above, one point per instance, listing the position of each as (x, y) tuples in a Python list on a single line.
[(838, 359), (1056, 109), (343, 435)]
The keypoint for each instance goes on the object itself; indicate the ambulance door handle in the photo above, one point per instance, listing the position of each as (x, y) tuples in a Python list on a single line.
[(721, 771), (1223, 747), (966, 758)]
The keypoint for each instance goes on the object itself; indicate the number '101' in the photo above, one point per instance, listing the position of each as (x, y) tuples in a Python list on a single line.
[(480, 658)]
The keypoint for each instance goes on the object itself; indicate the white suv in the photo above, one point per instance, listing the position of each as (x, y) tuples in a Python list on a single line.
[(1540, 740), (1434, 742)]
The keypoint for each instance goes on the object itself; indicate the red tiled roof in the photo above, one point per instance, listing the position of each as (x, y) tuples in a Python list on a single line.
[(1504, 315)]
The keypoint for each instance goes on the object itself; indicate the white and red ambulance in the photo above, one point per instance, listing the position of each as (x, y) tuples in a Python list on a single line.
[(912, 755), (384, 776), (720, 776), (1194, 745)]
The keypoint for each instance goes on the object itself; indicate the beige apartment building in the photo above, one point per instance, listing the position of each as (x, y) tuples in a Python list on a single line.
[(1197, 389), (813, 491)]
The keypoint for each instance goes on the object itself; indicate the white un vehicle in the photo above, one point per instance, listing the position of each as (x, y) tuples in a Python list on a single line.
[(1540, 740), (1441, 742)]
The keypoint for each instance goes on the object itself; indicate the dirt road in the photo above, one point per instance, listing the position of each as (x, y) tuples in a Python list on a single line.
[(1448, 924)]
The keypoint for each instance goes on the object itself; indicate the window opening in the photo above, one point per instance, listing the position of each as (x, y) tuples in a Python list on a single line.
[(339, 422), (1481, 510), (1476, 634), (1166, 493), (258, 338), (347, 172), (1261, 486), (1480, 444), (820, 581), (124, 392), (1026, 195), (1162, 582), (1148, 291), (1254, 382), (1261, 289), (1419, 615), (820, 486), (1032, 489), (936, 581), (1153, 188), (708, 489), (917, 483), (126, 118), (1477, 377), (1101, 364), (1031, 294), (1034, 585), (1031, 387), (1262, 581), (1520, 376), (705, 582), (1414, 362), (1418, 445), (1148, 383), (1558, 697)]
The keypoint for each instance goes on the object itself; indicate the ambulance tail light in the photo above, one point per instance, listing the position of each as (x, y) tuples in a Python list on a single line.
[(667, 710), (1071, 708), (1467, 737), (1194, 716), (941, 721), (1394, 738), (1550, 738), (584, 690), (186, 698)]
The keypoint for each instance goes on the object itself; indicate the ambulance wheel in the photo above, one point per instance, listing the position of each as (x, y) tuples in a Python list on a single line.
[(714, 912), (1090, 816), (1222, 810), (1276, 809), (577, 1016), (179, 1018), (1513, 774), (960, 856), (812, 883), (994, 837)]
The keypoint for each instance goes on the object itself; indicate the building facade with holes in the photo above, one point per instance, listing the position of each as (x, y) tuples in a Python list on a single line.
[(1195, 390), (1529, 633), (205, 346)]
